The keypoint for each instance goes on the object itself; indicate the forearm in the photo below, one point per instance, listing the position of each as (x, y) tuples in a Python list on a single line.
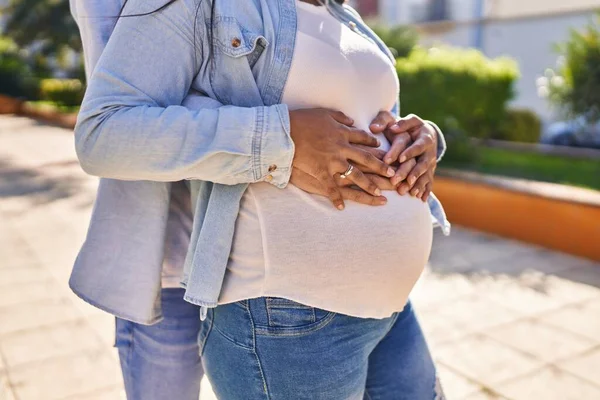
[(227, 145)]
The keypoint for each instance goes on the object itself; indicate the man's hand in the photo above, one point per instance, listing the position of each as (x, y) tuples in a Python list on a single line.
[(326, 144), (414, 146), (312, 185)]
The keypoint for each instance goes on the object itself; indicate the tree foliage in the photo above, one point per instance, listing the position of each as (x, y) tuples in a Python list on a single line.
[(576, 88), (16, 79), (46, 23)]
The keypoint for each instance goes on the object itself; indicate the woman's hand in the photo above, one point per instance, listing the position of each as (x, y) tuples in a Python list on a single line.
[(414, 146), (325, 144)]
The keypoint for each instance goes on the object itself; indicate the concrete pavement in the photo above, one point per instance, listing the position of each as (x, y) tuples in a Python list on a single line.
[(505, 320)]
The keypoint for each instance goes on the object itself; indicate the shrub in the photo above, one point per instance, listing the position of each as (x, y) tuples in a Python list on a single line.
[(64, 92), (461, 149), (576, 88), (16, 79), (401, 39), (457, 88), (520, 125)]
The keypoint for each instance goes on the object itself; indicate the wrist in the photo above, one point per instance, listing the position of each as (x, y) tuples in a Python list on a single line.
[(434, 133)]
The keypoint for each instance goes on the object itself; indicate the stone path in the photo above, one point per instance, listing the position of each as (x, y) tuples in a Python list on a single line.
[(505, 320)]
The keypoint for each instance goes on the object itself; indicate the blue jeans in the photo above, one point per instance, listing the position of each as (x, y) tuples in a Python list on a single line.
[(277, 349), (162, 361)]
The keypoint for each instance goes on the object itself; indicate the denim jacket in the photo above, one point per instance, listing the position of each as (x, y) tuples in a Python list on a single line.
[(139, 128)]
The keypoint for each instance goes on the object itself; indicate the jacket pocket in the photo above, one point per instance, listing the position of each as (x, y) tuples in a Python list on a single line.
[(232, 39)]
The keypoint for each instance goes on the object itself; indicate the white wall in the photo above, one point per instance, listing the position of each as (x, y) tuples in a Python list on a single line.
[(530, 42), (521, 8), (408, 11), (396, 12)]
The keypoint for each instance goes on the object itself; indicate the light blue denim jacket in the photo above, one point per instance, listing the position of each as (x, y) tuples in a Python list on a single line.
[(140, 129)]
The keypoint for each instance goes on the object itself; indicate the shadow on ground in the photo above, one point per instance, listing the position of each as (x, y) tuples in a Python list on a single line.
[(43, 183), (479, 257)]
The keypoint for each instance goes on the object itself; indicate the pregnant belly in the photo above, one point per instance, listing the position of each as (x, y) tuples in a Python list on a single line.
[(367, 256)]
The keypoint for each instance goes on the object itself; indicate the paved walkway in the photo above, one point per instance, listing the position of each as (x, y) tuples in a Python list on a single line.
[(505, 320)]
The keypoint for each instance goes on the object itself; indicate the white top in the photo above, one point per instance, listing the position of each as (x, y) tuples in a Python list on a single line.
[(362, 261)]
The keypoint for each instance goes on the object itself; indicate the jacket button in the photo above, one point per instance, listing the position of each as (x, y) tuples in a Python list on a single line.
[(236, 42), (272, 168), (352, 25)]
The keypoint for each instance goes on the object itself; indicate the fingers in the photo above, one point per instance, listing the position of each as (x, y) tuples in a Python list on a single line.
[(382, 121), (358, 136), (378, 153), (332, 191), (363, 182), (381, 182), (368, 161), (342, 118), (419, 169), (403, 188), (399, 144), (407, 124), (418, 188), (362, 197), (419, 146), (403, 171), (427, 192)]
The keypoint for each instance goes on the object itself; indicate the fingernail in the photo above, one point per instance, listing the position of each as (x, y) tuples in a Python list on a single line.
[(388, 160), (378, 142), (383, 200), (402, 159), (390, 172), (377, 192), (340, 207), (376, 126), (395, 180), (412, 180), (415, 193)]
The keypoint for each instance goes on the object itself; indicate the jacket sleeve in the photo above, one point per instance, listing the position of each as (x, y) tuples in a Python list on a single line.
[(132, 125)]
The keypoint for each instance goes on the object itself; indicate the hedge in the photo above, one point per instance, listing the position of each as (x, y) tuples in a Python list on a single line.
[(400, 39), (63, 92), (460, 89), (520, 125)]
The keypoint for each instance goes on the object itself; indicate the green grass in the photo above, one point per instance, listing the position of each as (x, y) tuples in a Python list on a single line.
[(51, 106), (535, 166)]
